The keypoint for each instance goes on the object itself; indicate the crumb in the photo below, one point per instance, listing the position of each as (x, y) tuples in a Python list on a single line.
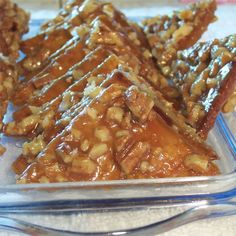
[(2, 150)]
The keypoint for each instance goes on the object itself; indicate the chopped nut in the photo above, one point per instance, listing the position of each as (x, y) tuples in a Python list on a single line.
[(92, 80), (102, 133), (214, 69), (197, 163), (82, 165), (85, 145), (69, 137), (134, 157), (115, 114), (21, 181), (88, 6), (92, 113), (98, 150), (211, 83), (48, 119), (230, 103), (146, 166), (113, 38), (81, 30), (76, 133), (66, 101), (29, 121), (77, 74), (34, 147), (109, 10), (92, 90), (67, 158), (44, 180), (134, 37), (23, 127), (198, 87), (147, 54), (186, 15), (34, 109), (139, 103), (2, 150), (196, 113), (157, 151), (226, 57), (183, 31), (166, 70), (122, 133), (60, 178)]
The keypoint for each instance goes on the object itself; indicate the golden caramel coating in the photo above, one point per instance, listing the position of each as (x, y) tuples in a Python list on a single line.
[(168, 34), (202, 75), (8, 80), (205, 77), (230, 104), (100, 145), (13, 24), (95, 106)]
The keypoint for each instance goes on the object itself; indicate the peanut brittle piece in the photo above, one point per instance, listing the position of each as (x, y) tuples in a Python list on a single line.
[(168, 34), (53, 118), (102, 31), (39, 48), (13, 24), (32, 116), (2, 150), (41, 57), (230, 104), (55, 69), (106, 141), (205, 76), (63, 14), (8, 77), (8, 80)]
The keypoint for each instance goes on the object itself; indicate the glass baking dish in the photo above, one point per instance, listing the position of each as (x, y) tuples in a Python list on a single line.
[(113, 194)]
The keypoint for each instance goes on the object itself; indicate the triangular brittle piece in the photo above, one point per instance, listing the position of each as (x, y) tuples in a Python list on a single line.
[(30, 118), (168, 34), (205, 75), (201, 92)]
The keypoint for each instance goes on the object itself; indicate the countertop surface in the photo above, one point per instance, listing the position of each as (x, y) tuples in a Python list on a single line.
[(113, 220)]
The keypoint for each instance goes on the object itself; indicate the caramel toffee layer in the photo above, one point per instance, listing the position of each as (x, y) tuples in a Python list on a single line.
[(96, 105)]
